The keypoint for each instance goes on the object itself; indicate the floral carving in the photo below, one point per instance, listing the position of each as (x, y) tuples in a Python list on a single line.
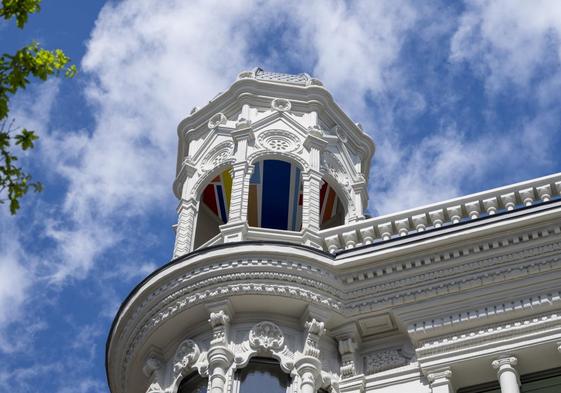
[(219, 154), (266, 335), (335, 168), (186, 356), (384, 360), (281, 104), (279, 141)]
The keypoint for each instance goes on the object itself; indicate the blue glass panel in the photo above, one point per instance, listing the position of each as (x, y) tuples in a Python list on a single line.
[(276, 189)]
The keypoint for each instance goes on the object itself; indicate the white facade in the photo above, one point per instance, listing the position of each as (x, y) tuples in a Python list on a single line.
[(458, 296)]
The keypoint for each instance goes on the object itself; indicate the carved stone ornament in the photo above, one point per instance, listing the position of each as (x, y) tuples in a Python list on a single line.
[(279, 141), (186, 356), (219, 318), (281, 104), (266, 335), (315, 330), (217, 155), (335, 168), (217, 120), (384, 360)]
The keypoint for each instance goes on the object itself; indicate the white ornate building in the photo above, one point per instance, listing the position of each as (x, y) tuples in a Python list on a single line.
[(279, 283)]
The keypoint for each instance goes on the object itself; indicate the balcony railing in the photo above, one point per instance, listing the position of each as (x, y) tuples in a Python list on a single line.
[(442, 214), (450, 212)]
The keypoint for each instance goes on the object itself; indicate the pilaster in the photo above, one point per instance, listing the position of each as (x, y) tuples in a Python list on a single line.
[(359, 199), (184, 231)]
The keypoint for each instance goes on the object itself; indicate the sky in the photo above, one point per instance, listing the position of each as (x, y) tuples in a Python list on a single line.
[(459, 97)]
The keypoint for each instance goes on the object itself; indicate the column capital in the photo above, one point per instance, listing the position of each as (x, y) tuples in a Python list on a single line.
[(441, 375), (507, 374), (506, 361), (440, 380)]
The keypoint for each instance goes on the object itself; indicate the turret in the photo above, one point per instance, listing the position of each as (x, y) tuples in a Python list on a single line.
[(272, 158)]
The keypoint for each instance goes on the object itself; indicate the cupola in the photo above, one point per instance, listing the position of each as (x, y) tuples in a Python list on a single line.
[(272, 158)]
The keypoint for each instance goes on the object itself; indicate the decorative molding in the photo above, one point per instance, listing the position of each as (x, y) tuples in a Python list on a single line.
[(501, 309), (264, 338), (219, 154), (454, 254), (190, 295), (385, 359), (315, 330), (266, 335), (488, 334), (279, 141), (281, 105), (332, 165), (219, 321), (186, 355)]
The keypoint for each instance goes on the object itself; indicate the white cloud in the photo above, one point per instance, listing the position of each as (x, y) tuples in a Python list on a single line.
[(509, 41), (151, 61), (15, 278)]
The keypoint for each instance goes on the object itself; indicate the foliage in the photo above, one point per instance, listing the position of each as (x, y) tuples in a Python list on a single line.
[(16, 69)]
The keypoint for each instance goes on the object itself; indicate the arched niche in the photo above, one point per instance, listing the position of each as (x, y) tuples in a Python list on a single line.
[(214, 206), (275, 195), (332, 207)]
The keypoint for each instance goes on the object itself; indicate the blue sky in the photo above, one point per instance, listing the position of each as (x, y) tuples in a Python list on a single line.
[(459, 97)]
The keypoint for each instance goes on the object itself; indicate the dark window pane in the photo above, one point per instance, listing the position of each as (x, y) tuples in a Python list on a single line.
[(263, 376), (546, 385), (193, 383)]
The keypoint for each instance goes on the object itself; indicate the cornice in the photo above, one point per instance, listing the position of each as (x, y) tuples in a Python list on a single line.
[(292, 271), (518, 331)]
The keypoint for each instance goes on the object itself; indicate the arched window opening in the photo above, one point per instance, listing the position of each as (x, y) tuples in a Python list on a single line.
[(275, 196), (262, 375), (332, 210), (214, 207), (193, 383)]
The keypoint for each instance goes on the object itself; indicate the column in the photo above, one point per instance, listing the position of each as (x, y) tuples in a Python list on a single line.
[(507, 374), (185, 229), (235, 229), (311, 181), (308, 365), (219, 356), (239, 172), (440, 381)]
